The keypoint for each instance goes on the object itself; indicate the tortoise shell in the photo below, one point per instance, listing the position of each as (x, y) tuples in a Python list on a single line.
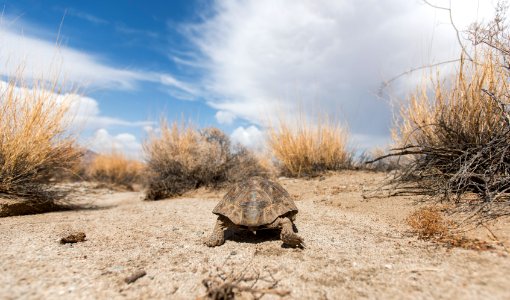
[(255, 202)]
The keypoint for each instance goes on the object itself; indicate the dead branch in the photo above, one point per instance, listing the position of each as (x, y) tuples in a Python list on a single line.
[(228, 285)]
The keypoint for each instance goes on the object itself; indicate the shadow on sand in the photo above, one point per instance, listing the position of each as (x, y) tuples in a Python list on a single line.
[(10, 208)]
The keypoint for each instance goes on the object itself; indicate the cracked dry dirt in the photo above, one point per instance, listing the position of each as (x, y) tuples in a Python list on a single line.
[(355, 249)]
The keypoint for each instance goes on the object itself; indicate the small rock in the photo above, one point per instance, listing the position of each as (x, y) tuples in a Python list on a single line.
[(233, 253), (135, 276), (388, 266), (73, 238)]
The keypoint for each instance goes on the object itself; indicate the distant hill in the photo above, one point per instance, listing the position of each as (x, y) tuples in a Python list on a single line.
[(89, 156)]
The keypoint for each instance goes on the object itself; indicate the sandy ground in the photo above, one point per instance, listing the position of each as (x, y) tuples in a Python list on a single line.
[(355, 249)]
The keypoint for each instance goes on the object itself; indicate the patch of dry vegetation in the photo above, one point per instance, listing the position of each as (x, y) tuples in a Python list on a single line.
[(430, 224), (116, 170), (456, 132), (304, 149), (461, 110), (458, 142), (35, 141), (183, 158)]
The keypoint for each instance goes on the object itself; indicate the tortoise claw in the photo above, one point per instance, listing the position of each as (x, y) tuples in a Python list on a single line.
[(212, 242), (292, 239)]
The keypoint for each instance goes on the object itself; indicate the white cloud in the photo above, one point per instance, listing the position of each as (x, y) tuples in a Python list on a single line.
[(83, 111), (225, 117), (83, 114), (41, 58), (265, 58), (104, 142), (250, 137), (85, 16)]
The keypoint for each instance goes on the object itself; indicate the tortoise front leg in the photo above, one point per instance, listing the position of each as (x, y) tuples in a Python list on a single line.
[(217, 237), (287, 234)]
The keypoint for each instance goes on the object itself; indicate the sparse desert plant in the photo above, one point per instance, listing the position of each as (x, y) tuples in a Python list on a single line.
[(182, 158), (306, 149), (35, 140), (458, 141), (430, 224), (461, 110), (115, 170), (456, 132)]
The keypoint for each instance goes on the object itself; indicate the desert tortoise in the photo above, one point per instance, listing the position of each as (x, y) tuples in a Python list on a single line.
[(254, 204)]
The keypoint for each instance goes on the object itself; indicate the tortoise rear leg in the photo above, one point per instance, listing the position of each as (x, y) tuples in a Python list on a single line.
[(287, 235), (217, 237)]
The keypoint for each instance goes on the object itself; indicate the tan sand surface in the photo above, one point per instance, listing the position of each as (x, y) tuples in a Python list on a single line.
[(355, 249)]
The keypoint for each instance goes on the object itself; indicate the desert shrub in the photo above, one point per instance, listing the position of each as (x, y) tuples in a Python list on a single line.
[(115, 169), (458, 141), (462, 110), (182, 158), (306, 149), (456, 132), (35, 141)]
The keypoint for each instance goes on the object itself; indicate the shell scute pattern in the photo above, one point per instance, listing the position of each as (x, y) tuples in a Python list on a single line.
[(255, 202)]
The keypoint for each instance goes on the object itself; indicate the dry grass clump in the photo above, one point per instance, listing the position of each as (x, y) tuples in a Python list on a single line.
[(182, 158), (429, 224), (456, 134), (305, 149), (456, 137), (462, 110), (35, 141), (116, 170)]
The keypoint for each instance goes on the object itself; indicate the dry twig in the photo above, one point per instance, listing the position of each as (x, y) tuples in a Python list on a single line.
[(229, 285)]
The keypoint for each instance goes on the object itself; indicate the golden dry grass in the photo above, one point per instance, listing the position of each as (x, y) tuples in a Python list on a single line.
[(455, 134), (430, 224), (35, 141), (457, 103), (305, 149), (115, 169), (183, 157)]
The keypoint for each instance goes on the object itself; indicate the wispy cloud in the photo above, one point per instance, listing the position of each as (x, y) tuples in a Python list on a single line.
[(86, 114), (123, 28), (264, 58), (85, 16), (41, 58), (225, 117)]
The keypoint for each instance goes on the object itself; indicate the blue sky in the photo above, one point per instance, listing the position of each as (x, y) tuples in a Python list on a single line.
[(231, 64)]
